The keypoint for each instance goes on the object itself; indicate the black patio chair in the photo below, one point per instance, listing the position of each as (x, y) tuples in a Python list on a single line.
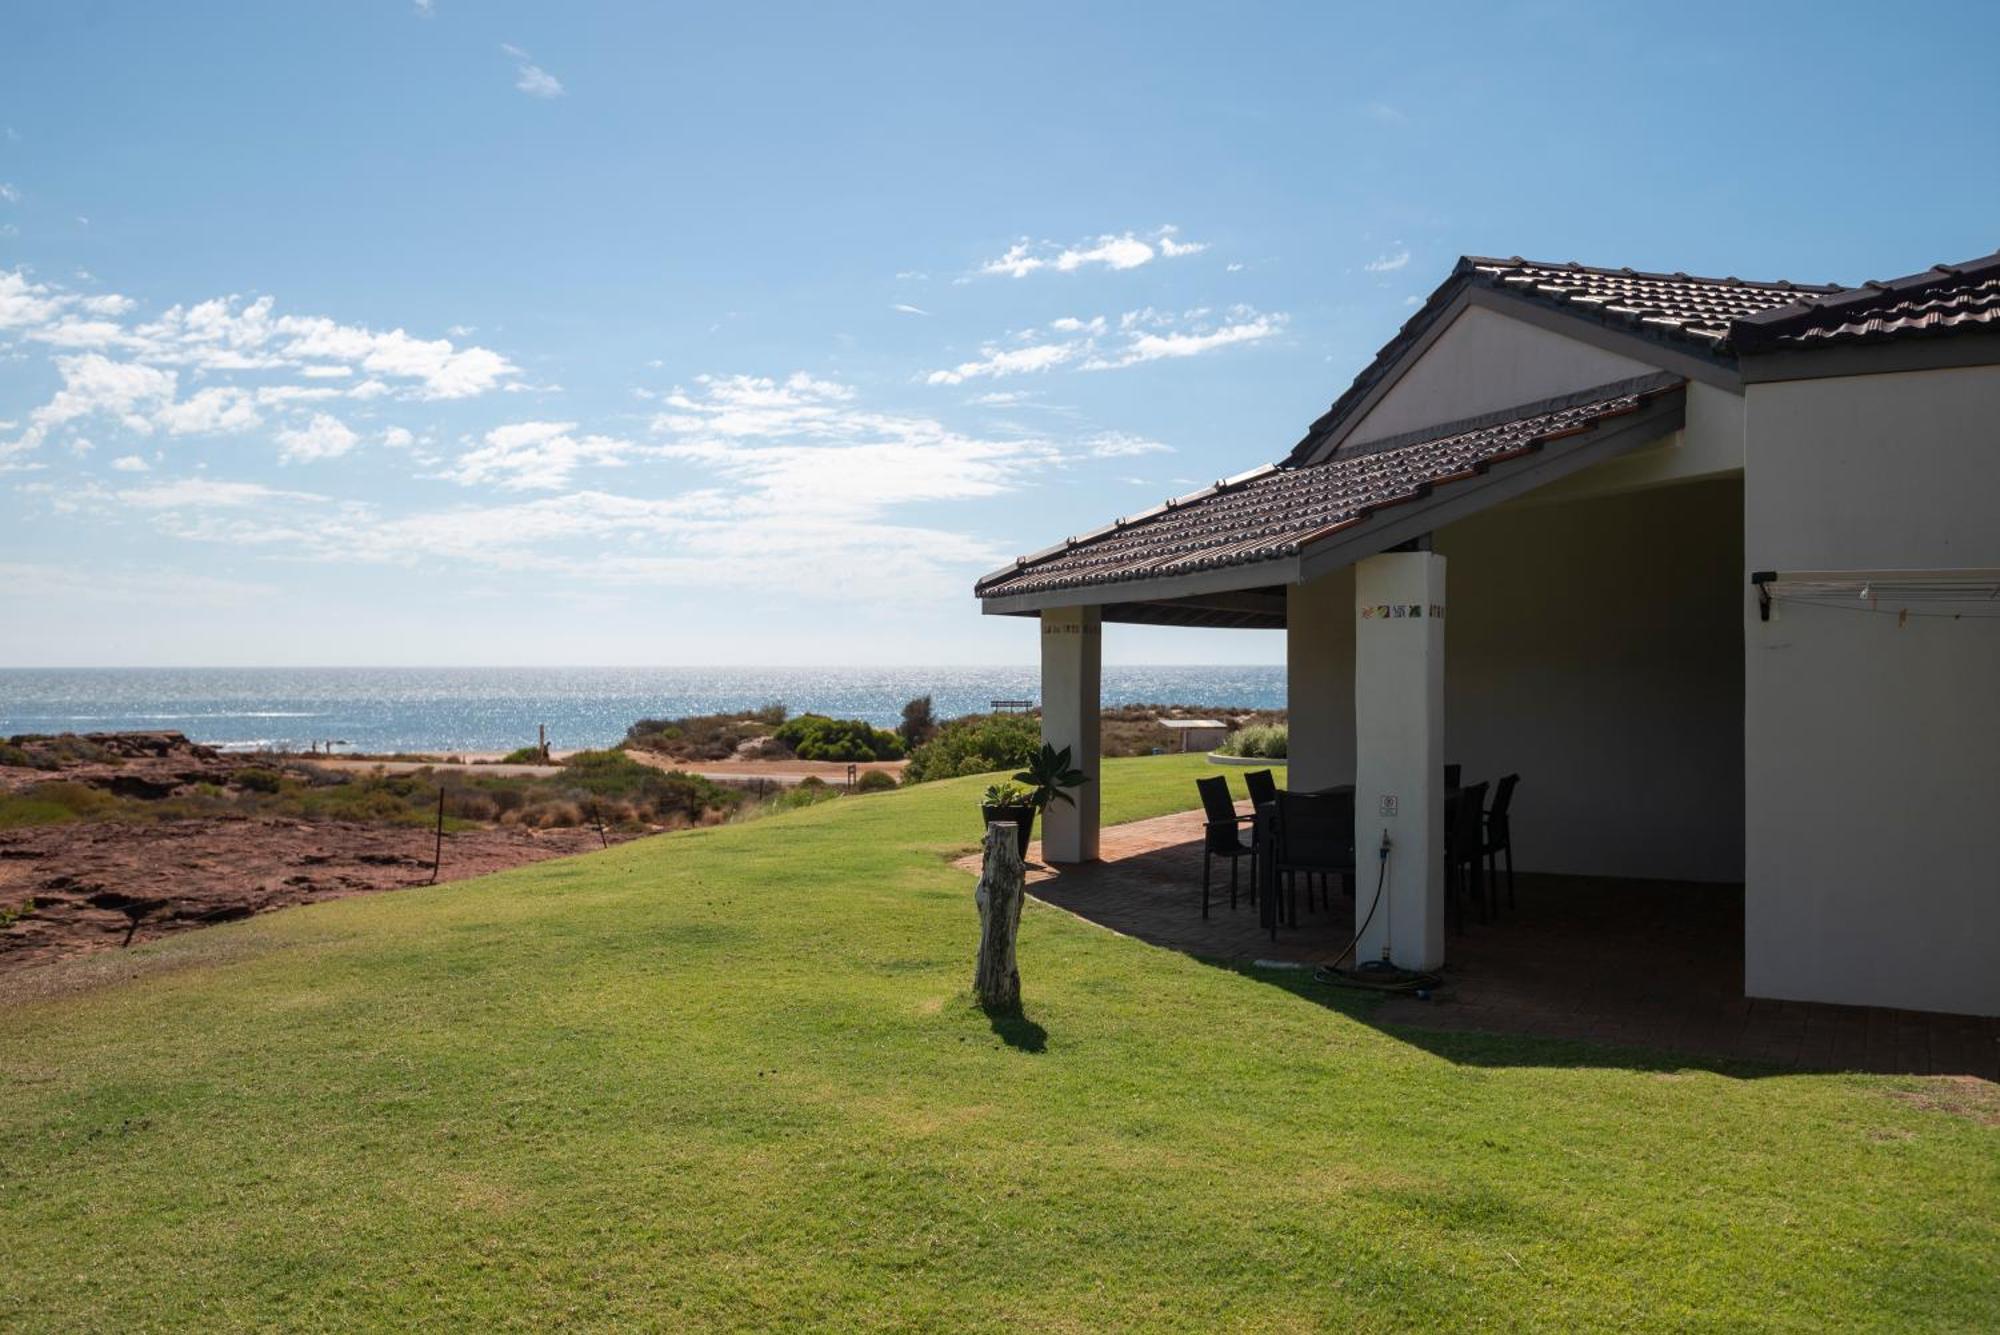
[(1500, 835), (1263, 788), (1464, 845), (1222, 837), (1314, 834), (1452, 774)]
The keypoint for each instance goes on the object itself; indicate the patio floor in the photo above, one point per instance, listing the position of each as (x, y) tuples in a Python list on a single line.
[(1652, 964)]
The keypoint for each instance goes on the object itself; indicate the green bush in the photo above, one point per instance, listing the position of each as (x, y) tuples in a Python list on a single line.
[(1266, 743), (976, 744), (258, 779), (817, 737), (525, 755), (808, 792), (875, 781), (16, 756), (703, 736)]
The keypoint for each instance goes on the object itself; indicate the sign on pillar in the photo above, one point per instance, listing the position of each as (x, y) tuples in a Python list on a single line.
[(1399, 756), (1072, 654)]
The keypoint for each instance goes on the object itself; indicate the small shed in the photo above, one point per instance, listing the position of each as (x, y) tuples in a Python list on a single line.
[(1197, 734)]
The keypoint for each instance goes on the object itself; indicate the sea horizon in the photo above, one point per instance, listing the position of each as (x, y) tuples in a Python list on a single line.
[(458, 709)]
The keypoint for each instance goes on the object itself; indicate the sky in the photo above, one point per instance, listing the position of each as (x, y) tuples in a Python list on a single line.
[(399, 333)]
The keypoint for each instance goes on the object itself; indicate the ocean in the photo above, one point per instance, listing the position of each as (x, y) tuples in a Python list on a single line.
[(498, 709)]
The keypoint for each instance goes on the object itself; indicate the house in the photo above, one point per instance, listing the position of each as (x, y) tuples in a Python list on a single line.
[(1713, 564)]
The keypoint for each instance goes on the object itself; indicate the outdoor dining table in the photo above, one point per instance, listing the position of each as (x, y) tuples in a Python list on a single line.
[(1263, 834)]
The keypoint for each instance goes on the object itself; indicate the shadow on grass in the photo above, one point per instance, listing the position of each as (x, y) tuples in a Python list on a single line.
[(1464, 1047), (1016, 1030)]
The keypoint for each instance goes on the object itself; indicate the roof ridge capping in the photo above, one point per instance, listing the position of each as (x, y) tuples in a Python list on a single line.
[(1638, 386), (1574, 266), (1759, 331)]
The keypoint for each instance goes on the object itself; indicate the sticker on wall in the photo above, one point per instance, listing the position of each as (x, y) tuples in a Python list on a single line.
[(1400, 611)]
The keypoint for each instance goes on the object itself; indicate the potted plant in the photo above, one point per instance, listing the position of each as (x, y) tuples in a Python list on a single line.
[(1010, 802)]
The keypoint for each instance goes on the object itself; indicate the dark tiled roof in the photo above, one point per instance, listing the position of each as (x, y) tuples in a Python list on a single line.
[(1690, 312), (1947, 299), (1676, 304), (1276, 512)]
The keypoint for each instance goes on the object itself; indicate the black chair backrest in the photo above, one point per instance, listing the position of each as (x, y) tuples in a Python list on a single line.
[(1316, 830), (1263, 788), (1216, 803), (1452, 774), (1462, 832), (1497, 830)]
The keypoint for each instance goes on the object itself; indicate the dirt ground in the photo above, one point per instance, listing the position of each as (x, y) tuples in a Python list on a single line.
[(99, 886)]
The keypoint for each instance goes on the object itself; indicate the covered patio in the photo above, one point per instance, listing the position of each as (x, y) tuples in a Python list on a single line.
[(1590, 646), (1653, 965)]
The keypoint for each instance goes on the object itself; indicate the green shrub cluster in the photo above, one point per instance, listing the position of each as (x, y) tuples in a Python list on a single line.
[(976, 744), (525, 755), (1267, 743), (704, 736), (875, 781), (817, 737), (808, 792)]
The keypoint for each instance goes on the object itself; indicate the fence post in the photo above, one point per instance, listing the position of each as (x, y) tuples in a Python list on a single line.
[(1002, 882)]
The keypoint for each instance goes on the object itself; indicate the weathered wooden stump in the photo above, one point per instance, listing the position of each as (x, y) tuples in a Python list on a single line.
[(1002, 883)]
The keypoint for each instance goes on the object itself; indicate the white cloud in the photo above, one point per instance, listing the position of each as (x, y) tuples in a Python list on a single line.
[(1124, 250), (131, 463), (200, 493), (1092, 344), (43, 583), (25, 303), (398, 438), (534, 456), (9, 194), (531, 78), (1006, 361), (1147, 347), (324, 437), (1123, 445), (1389, 263), (212, 411), (907, 309)]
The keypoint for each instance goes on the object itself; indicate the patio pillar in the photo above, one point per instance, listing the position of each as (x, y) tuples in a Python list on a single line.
[(1399, 762), (1072, 652)]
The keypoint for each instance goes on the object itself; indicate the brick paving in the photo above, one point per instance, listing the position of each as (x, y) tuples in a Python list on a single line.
[(1652, 964)]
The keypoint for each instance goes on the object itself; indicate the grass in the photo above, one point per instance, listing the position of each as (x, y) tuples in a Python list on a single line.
[(732, 1077)]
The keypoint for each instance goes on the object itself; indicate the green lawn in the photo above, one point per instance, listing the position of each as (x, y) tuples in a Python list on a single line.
[(733, 1077)]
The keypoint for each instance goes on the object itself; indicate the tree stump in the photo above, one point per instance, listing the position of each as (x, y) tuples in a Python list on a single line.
[(1002, 883)]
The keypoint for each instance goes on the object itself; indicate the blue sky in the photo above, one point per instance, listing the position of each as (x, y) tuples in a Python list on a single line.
[(389, 333)]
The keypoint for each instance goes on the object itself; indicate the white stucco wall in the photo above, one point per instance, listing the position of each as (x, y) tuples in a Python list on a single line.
[(1595, 647), (1319, 680), (1873, 748), (1486, 361)]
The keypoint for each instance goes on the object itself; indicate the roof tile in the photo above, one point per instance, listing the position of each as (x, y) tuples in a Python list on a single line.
[(1276, 512)]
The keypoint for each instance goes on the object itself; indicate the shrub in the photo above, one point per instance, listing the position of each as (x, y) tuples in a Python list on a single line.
[(918, 725), (976, 744), (875, 781), (1268, 743), (525, 755), (259, 780), (817, 737), (16, 756), (808, 792), (703, 736)]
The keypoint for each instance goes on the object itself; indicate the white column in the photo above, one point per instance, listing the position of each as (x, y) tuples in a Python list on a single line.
[(1399, 762), (1072, 654), (1319, 680)]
